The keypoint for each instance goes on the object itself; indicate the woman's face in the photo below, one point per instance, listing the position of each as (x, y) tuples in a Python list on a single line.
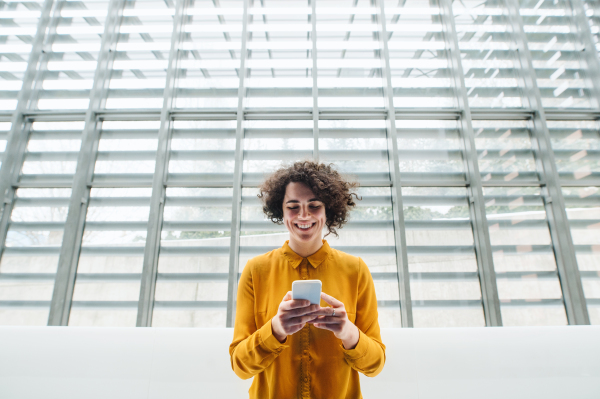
[(303, 214)]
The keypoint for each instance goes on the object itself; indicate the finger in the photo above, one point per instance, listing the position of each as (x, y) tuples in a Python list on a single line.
[(295, 328), (331, 300), (339, 312), (330, 327), (322, 326), (327, 320), (288, 296), (300, 319), (287, 314), (294, 304)]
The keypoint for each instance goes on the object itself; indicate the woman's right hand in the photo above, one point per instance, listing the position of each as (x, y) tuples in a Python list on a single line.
[(291, 316)]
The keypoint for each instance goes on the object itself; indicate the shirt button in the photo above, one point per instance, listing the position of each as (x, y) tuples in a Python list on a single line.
[(305, 351), (305, 379)]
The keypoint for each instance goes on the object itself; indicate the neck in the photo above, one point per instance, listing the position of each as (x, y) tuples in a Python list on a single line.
[(305, 249)]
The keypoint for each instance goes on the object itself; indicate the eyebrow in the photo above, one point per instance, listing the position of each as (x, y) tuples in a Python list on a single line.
[(297, 202)]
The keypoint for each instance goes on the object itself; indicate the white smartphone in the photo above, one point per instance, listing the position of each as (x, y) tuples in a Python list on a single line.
[(307, 289)]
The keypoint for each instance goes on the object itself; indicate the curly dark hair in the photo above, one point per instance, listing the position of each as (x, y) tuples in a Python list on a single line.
[(328, 185)]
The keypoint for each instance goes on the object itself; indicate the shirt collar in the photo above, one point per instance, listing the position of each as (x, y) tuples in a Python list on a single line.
[(315, 259)]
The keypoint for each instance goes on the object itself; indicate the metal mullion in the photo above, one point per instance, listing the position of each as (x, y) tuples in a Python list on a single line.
[(396, 189), (157, 200), (9, 198), (580, 22), (315, 88), (481, 234), (69, 253), (554, 203), (14, 144), (236, 205), (7, 207)]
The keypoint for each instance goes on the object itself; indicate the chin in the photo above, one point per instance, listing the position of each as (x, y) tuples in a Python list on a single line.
[(306, 238), (309, 239)]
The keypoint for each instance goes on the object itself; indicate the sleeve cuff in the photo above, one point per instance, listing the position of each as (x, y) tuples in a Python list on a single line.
[(268, 339), (361, 347)]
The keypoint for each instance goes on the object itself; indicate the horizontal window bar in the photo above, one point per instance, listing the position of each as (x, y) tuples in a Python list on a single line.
[(116, 226), (199, 201), (383, 276), (46, 180), (189, 304), (112, 251), (440, 250), (196, 226), (119, 201), (105, 304), (126, 156), (25, 304), (351, 225), (123, 179), (329, 113), (31, 251), (437, 224), (41, 202), (36, 226)]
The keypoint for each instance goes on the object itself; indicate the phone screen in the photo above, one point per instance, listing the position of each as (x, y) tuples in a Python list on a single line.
[(307, 289)]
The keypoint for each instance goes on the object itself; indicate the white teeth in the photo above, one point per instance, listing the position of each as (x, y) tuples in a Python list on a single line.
[(304, 226)]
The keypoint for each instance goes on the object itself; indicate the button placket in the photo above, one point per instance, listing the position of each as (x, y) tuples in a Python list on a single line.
[(305, 342)]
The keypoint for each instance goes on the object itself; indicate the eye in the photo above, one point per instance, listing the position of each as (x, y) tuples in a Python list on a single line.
[(315, 206), (293, 208)]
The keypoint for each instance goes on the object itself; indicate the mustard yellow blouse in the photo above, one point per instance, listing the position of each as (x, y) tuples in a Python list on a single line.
[(311, 363)]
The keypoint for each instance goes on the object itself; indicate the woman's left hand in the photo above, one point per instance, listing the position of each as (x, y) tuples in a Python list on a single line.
[(335, 319)]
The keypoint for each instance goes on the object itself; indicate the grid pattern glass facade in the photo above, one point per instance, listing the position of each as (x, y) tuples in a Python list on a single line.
[(134, 135)]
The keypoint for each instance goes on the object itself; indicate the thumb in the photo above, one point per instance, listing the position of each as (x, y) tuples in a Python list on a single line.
[(288, 296), (326, 298)]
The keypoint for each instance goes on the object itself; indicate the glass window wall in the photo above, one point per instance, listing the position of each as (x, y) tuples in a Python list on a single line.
[(470, 196)]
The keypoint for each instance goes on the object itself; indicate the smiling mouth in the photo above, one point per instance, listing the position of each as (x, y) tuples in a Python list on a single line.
[(305, 226)]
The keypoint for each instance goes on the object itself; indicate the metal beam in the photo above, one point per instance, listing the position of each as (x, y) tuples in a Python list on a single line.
[(17, 134), (9, 198), (560, 230), (394, 166), (157, 200), (19, 131), (481, 234), (69, 253), (329, 113), (236, 212), (315, 89)]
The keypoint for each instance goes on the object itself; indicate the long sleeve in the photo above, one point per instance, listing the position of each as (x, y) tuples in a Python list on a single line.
[(368, 357), (311, 362), (253, 348)]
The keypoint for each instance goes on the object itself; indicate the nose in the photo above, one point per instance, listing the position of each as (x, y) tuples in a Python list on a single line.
[(303, 214)]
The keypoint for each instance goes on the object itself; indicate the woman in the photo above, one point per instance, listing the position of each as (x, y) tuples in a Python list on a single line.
[(292, 348)]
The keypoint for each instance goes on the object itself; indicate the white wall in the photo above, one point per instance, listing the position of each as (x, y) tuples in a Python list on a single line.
[(525, 362)]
